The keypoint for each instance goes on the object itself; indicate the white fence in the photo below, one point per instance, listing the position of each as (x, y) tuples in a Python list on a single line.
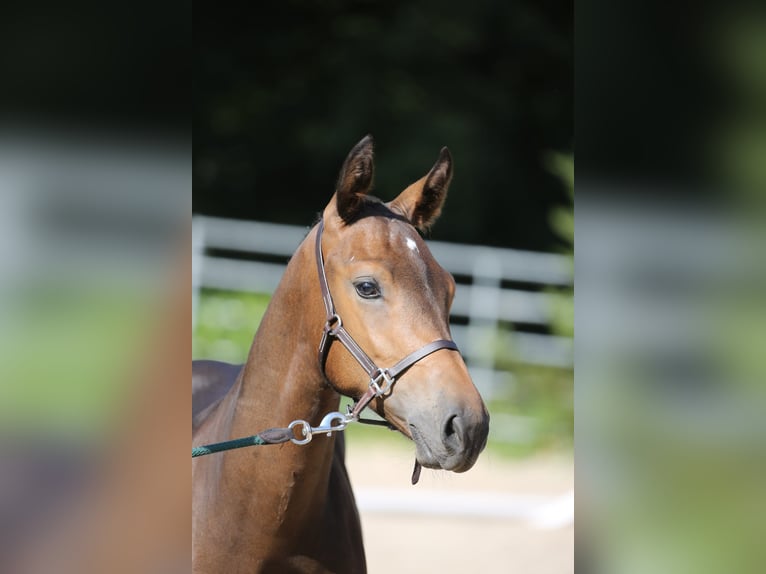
[(482, 300)]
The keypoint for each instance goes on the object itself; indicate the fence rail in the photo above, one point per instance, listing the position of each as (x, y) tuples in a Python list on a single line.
[(483, 299)]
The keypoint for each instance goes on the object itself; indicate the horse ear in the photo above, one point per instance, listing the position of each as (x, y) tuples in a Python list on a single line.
[(422, 201), (355, 180)]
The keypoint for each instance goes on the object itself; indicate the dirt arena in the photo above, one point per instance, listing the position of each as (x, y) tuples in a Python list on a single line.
[(501, 516)]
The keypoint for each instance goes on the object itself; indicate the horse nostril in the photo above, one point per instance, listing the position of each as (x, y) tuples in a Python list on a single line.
[(453, 432), (449, 428)]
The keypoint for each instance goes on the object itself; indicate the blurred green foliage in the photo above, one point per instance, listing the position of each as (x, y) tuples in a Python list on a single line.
[(536, 409), (738, 146), (561, 220), (58, 372), (226, 324)]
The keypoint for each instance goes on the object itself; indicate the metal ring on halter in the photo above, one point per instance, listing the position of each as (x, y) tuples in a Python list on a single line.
[(306, 429), (334, 319), (382, 375)]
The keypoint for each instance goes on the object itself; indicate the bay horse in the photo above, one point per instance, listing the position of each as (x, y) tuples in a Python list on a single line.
[(364, 287)]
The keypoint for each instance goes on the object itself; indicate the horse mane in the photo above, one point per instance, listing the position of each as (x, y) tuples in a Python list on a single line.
[(371, 207)]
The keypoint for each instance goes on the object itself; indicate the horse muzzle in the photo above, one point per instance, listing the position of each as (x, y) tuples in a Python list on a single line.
[(452, 441)]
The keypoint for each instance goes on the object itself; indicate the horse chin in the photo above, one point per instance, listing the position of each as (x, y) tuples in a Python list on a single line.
[(432, 457)]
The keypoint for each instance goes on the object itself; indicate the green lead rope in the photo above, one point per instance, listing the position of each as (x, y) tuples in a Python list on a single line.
[(280, 435), (254, 440), (269, 436)]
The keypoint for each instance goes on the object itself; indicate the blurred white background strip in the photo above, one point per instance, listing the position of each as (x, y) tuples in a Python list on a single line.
[(540, 511)]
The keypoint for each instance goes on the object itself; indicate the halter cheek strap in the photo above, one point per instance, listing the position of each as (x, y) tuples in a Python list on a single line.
[(381, 380)]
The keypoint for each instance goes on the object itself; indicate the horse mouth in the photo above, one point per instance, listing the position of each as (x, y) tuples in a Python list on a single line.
[(423, 452)]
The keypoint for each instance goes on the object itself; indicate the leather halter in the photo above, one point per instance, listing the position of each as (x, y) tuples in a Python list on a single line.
[(381, 380)]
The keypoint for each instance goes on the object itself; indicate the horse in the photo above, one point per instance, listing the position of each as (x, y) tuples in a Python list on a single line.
[(365, 289)]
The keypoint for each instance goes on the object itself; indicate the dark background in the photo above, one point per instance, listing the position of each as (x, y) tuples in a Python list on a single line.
[(281, 95), (87, 68)]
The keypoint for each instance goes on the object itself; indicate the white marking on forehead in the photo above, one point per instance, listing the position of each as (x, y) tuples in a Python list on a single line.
[(412, 245)]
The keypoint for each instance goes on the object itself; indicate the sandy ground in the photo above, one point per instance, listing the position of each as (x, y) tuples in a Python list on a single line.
[(501, 516)]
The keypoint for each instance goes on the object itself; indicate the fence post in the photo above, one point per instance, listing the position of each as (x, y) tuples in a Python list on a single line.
[(484, 308)]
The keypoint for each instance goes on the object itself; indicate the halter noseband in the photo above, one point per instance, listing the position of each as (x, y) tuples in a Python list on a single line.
[(381, 380)]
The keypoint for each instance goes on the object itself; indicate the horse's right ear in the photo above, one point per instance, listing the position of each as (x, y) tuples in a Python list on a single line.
[(421, 203), (355, 180)]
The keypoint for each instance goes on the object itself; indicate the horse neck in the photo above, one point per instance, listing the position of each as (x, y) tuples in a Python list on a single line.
[(272, 496), (281, 380)]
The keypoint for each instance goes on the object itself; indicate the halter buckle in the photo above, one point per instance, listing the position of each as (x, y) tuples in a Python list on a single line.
[(388, 381), (333, 324)]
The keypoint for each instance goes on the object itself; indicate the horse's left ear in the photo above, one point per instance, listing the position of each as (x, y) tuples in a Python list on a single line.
[(422, 201), (355, 180)]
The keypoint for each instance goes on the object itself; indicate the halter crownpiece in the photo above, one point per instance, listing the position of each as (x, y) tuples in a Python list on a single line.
[(381, 380)]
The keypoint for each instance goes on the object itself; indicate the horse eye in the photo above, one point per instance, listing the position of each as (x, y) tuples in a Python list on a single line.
[(367, 289)]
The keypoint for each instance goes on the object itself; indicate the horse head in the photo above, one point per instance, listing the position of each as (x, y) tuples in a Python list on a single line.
[(394, 298)]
